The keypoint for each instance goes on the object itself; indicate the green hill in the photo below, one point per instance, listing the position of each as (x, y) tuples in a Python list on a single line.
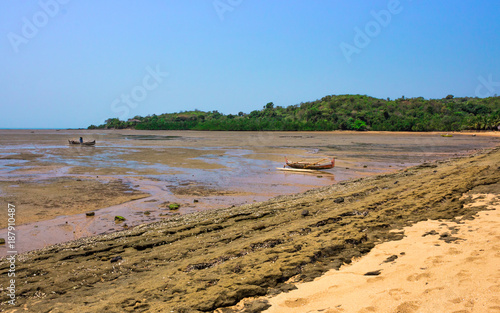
[(342, 112)]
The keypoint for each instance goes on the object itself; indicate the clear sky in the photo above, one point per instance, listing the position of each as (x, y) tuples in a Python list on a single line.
[(69, 63)]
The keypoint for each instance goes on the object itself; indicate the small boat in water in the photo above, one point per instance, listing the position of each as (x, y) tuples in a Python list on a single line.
[(311, 165), (85, 143)]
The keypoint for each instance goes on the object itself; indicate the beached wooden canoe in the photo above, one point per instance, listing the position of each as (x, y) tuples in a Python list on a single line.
[(311, 165), (303, 171), (85, 143)]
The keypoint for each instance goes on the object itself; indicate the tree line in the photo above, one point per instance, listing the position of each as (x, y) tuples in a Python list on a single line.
[(335, 112)]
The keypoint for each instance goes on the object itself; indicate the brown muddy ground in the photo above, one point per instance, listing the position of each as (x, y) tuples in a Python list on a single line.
[(207, 260), (47, 199), (53, 184)]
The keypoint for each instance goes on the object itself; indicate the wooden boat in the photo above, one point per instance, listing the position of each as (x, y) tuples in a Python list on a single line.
[(311, 165), (447, 135), (303, 171), (85, 143)]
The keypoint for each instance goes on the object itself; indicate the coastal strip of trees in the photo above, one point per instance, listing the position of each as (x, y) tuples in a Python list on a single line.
[(335, 112)]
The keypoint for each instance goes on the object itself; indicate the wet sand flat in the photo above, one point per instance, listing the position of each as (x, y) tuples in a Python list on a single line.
[(136, 173), (47, 199), (213, 259)]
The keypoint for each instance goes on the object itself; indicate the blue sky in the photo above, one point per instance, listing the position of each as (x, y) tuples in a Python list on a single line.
[(69, 64)]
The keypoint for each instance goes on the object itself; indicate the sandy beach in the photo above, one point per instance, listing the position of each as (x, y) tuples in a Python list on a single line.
[(214, 259), (439, 266)]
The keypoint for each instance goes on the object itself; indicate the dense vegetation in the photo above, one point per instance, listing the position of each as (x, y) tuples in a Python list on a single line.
[(343, 112)]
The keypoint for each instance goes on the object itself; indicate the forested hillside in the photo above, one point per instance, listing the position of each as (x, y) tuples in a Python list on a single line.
[(343, 112)]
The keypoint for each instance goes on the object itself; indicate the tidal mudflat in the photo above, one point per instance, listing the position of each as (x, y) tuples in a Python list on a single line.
[(137, 174), (213, 259)]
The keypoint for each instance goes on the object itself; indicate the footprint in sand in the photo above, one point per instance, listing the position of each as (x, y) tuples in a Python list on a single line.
[(469, 303), (463, 274), (397, 293), (493, 279), (427, 291), (495, 288), (435, 260), (418, 276), (474, 257), (454, 251), (296, 302), (456, 300), (407, 307)]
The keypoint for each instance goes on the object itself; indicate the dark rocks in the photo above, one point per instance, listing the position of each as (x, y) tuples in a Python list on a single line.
[(339, 200), (237, 269), (355, 213), (305, 213), (432, 232), (330, 220), (283, 288), (373, 273), (446, 237), (257, 306), (90, 214), (390, 259), (116, 259)]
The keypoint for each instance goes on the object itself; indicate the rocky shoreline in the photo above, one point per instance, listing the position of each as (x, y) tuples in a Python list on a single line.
[(203, 261)]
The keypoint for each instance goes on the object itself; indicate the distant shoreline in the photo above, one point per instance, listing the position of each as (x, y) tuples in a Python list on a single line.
[(43, 129), (276, 131)]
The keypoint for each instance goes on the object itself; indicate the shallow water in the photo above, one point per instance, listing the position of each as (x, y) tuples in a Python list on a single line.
[(217, 169)]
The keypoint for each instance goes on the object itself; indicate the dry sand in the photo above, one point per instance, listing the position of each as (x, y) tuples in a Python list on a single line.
[(440, 266)]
